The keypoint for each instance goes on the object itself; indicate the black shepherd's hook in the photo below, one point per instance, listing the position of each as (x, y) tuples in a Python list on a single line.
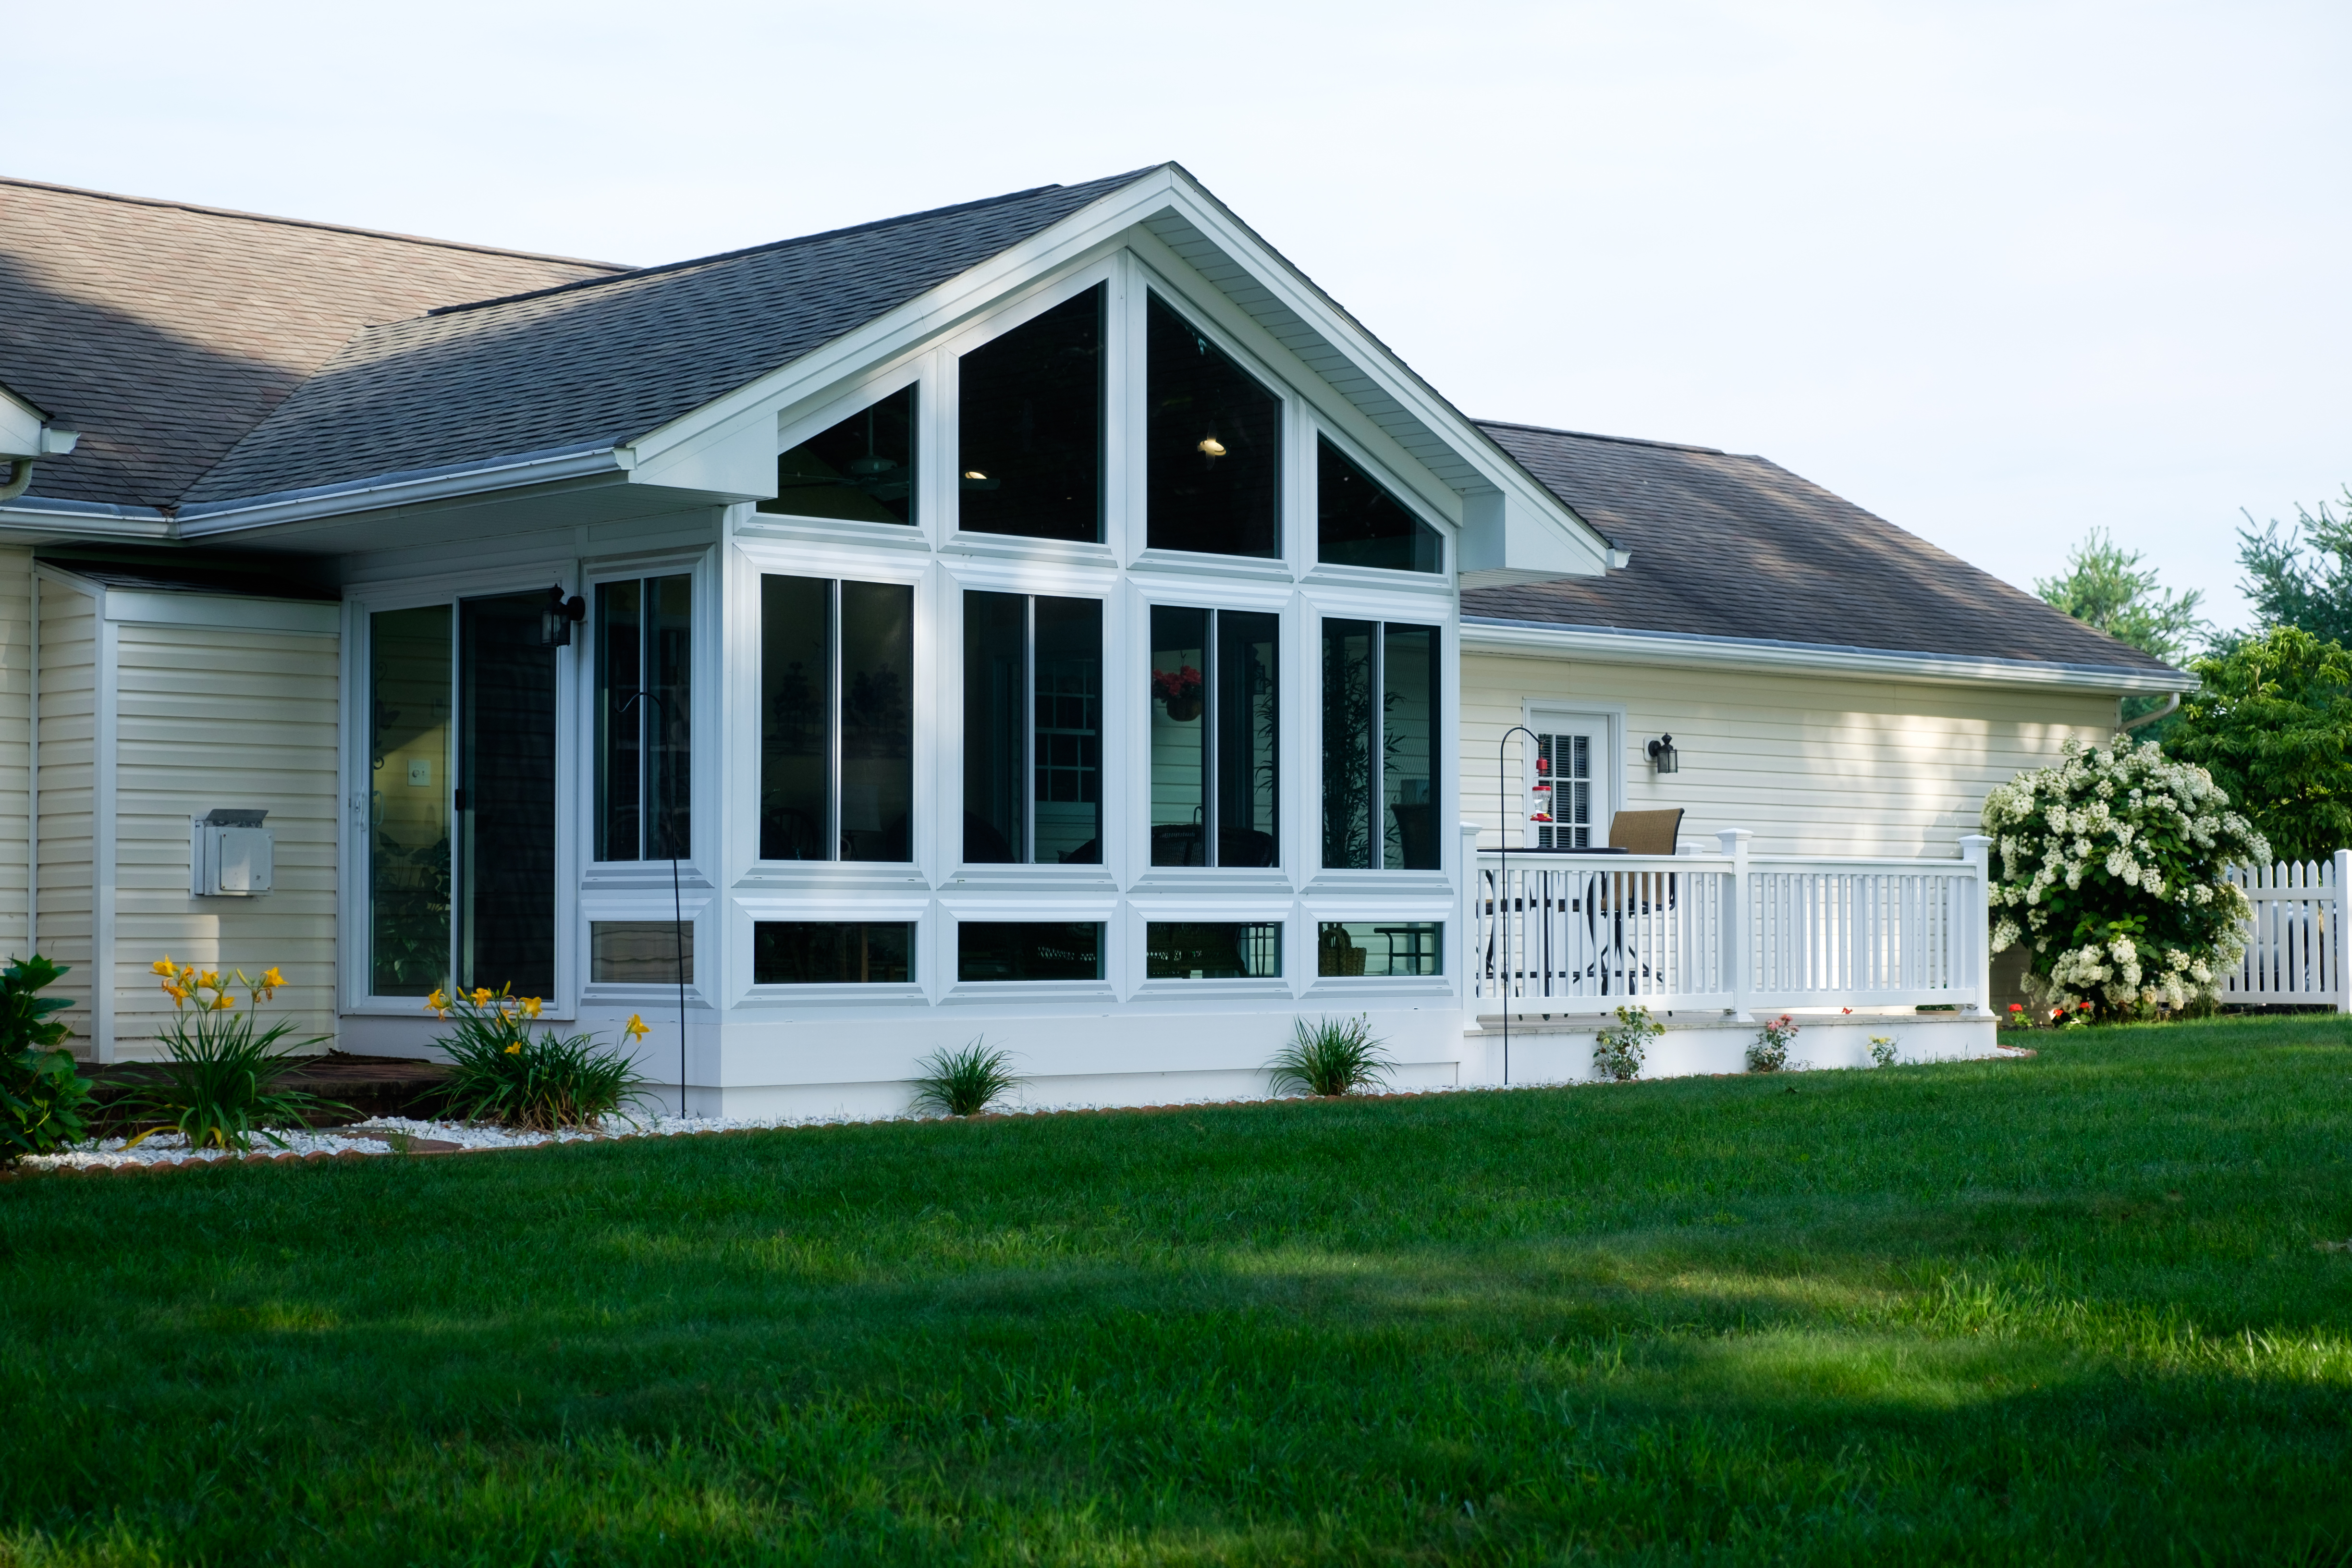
[(677, 907), (1503, 892)]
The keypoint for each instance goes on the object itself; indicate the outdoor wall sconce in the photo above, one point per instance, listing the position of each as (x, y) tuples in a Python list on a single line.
[(556, 621), (1663, 757)]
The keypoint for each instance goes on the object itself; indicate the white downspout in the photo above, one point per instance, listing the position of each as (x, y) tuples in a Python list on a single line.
[(2171, 706)]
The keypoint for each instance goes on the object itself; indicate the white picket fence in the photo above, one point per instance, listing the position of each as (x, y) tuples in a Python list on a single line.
[(1584, 933), (2297, 953)]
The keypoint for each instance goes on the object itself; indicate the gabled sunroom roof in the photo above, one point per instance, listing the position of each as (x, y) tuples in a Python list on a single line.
[(599, 363)]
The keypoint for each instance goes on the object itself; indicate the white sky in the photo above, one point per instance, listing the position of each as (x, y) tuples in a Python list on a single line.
[(2000, 272)]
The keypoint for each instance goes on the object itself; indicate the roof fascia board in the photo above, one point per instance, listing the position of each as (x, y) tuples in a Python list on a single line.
[(215, 518), (1531, 640)]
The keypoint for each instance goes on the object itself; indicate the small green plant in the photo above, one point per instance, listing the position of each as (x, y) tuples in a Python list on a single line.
[(1330, 1056), (964, 1082), (41, 1092), (501, 1071), (1882, 1050), (1617, 1053), (1771, 1051), (220, 1088)]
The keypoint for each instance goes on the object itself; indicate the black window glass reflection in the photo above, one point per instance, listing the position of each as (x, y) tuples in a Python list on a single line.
[(1380, 949), (1214, 477), (1348, 740), (505, 796), (1028, 950), (1219, 951), (1029, 451), (1032, 729), (836, 720), (1359, 523), (862, 468), (1214, 722), (644, 709), (832, 952), (1380, 746)]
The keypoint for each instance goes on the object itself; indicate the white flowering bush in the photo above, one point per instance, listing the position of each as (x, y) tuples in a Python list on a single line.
[(2109, 867)]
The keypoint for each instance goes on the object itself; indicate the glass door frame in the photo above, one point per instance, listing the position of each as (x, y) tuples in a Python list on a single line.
[(355, 995)]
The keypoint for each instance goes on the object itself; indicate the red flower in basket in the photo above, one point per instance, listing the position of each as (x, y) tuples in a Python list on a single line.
[(1181, 690)]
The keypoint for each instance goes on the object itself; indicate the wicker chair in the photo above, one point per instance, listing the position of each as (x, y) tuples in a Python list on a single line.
[(1645, 832)]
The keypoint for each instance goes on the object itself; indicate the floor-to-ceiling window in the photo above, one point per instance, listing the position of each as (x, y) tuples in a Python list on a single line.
[(1380, 757), (462, 842), (1214, 734), (1033, 728), (836, 720)]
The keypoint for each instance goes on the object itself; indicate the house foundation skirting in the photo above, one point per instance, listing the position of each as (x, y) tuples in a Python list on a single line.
[(1561, 1050)]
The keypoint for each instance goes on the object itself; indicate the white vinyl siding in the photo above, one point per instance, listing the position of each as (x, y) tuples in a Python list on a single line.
[(1810, 764), (15, 736), (69, 881), (209, 717)]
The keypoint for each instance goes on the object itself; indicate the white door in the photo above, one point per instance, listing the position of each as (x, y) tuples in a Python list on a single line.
[(1568, 783)]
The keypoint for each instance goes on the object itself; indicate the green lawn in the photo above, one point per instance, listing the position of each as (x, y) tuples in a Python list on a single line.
[(2067, 1310)]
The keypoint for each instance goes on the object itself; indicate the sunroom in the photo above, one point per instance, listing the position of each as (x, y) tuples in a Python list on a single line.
[(1089, 684)]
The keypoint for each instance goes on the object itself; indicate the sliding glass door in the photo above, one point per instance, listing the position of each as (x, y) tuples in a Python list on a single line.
[(461, 822)]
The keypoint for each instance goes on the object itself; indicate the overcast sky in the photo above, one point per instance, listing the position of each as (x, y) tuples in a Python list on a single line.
[(2001, 273)]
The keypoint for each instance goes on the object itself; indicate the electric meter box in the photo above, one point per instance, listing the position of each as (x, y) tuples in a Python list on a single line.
[(230, 854)]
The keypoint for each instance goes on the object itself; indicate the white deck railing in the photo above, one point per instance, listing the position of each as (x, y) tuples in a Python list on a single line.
[(2296, 949), (1584, 933)]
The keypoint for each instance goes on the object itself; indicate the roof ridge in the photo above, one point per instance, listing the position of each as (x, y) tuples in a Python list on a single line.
[(656, 271), (1596, 435), (614, 267)]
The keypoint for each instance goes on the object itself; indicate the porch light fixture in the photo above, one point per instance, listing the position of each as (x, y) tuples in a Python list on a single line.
[(556, 621), (1663, 757), (1210, 448)]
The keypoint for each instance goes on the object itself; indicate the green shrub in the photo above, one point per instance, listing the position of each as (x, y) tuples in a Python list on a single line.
[(1330, 1056), (41, 1092), (1771, 1051), (501, 1071), (2110, 867), (220, 1087), (1882, 1050), (964, 1082), (1617, 1053)]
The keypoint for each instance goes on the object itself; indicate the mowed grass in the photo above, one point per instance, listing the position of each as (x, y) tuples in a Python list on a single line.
[(2065, 1309)]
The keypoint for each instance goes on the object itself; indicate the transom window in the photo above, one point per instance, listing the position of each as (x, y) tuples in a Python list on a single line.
[(1029, 427), (1359, 523), (836, 720), (1032, 728), (1214, 780), (1379, 746), (862, 469), (1213, 444)]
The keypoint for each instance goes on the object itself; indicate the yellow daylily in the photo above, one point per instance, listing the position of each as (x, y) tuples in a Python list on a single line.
[(637, 1028), (176, 993), (271, 979), (515, 1049), (165, 967), (481, 996), (530, 1006), (223, 1003), (211, 981), (437, 1002)]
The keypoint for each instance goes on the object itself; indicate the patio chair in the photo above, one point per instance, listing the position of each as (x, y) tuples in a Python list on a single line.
[(1645, 832)]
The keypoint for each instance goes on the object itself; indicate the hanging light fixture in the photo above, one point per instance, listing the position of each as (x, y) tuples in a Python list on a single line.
[(1210, 448), (556, 621), (1664, 758)]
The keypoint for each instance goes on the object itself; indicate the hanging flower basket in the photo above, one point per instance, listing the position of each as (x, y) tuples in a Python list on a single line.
[(1181, 690)]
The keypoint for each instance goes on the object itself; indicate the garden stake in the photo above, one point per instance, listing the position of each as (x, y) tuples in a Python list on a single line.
[(1502, 921), (677, 915)]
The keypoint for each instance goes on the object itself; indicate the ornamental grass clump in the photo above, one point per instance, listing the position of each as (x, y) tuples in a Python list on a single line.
[(1330, 1056), (221, 1087), (41, 1091), (1617, 1053), (2110, 867), (964, 1082), (502, 1072)]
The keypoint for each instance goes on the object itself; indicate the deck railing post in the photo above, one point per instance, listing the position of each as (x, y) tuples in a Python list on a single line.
[(1975, 918), (2339, 929), (1738, 940)]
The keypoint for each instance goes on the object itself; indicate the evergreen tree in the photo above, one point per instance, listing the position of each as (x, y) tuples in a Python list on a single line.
[(2304, 579)]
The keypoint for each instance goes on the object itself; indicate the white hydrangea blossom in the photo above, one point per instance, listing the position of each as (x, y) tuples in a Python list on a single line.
[(2150, 839)]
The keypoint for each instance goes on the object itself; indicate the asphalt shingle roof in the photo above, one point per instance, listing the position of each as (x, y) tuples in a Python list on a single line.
[(164, 332), (605, 362), (1731, 546)]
